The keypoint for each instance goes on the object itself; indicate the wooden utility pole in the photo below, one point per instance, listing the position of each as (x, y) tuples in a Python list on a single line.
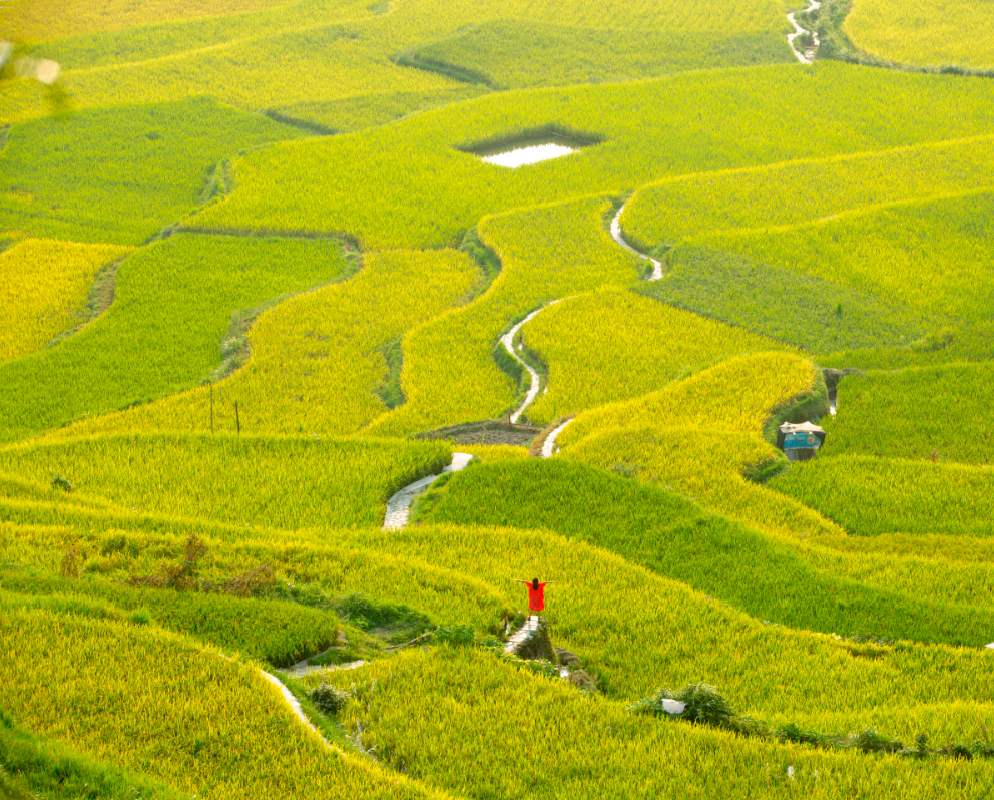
[(238, 425)]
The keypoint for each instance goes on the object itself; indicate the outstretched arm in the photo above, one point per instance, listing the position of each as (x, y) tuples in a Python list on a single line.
[(518, 580), (548, 582)]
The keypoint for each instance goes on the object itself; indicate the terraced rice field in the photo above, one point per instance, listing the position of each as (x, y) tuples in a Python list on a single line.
[(256, 280), (953, 32)]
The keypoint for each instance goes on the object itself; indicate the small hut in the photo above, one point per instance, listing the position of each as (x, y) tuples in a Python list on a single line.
[(800, 441)]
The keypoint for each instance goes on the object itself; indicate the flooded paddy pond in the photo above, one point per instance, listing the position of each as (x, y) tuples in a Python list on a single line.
[(530, 150)]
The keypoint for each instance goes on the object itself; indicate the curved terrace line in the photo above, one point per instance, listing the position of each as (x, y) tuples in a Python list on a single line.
[(936, 144), (657, 268), (294, 704), (856, 212), (212, 48)]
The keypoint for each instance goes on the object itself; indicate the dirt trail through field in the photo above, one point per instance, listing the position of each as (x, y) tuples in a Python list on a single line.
[(399, 505), (522, 634), (657, 268), (508, 341), (549, 448), (303, 668), (808, 56), (294, 705), (291, 701)]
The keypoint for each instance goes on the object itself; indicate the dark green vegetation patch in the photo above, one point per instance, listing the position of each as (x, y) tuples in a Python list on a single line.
[(809, 312), (120, 175)]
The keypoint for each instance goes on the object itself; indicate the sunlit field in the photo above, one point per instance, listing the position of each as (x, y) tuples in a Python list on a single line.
[(325, 326)]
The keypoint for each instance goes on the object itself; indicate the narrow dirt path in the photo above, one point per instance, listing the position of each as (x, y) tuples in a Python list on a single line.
[(657, 268), (549, 448), (508, 341), (399, 505), (303, 668), (291, 701), (522, 635), (295, 706), (808, 56)]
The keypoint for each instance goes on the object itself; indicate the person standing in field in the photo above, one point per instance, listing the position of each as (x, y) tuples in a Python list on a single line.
[(536, 595)]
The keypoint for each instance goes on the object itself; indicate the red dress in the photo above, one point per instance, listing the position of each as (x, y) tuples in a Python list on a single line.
[(536, 597)]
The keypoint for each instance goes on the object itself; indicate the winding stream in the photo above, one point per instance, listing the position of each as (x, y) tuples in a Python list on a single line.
[(508, 341), (799, 31), (657, 268)]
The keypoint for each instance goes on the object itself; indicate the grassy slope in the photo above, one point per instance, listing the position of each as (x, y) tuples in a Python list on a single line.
[(134, 169), (525, 53), (827, 203), (941, 412), (154, 702), (702, 435), (43, 290), (639, 630), (800, 191), (737, 394), (280, 633), (32, 766), (279, 481), (48, 19), (615, 344), (893, 253), (335, 62), (870, 496), (119, 545), (809, 312), (175, 304), (715, 130), (491, 715), (318, 361), (950, 32), (450, 374), (667, 634), (326, 61), (676, 538)]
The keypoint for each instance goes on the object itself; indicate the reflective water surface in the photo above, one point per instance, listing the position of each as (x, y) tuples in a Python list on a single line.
[(518, 152)]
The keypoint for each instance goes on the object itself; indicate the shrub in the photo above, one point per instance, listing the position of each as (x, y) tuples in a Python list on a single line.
[(869, 741), (920, 750), (702, 703), (181, 575), (792, 732), (982, 749), (330, 699), (140, 616), (957, 751)]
